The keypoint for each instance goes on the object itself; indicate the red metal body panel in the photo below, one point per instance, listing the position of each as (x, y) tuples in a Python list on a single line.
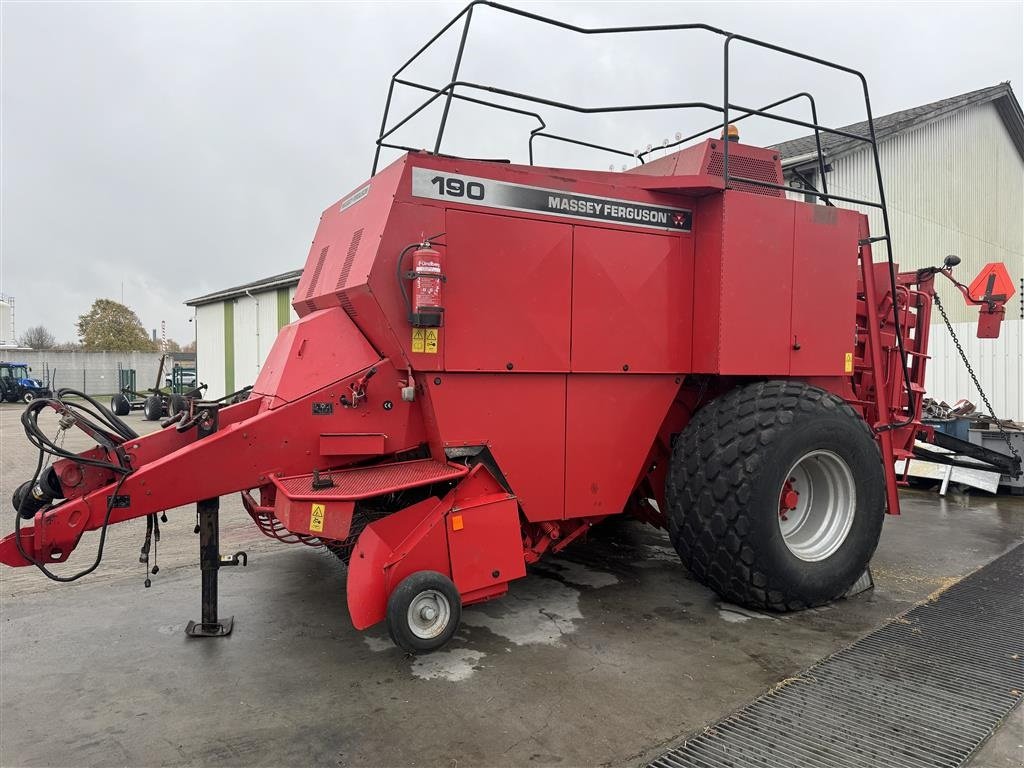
[(352, 445), (321, 347), (752, 275), (376, 304), (485, 543), (632, 295), (509, 287), (520, 418), (705, 160), (823, 324), (610, 423), (328, 518), (778, 271), (346, 243)]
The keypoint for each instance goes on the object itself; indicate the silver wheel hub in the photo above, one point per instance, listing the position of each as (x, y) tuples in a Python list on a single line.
[(429, 614), (817, 503)]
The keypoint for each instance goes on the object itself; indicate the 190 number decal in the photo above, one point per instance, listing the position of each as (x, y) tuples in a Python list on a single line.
[(450, 187)]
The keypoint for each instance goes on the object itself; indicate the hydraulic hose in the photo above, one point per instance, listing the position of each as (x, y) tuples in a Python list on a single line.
[(46, 446)]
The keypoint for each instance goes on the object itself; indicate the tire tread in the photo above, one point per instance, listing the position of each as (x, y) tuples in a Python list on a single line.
[(708, 486)]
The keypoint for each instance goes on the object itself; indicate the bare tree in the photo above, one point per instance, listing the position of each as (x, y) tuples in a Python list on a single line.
[(37, 337)]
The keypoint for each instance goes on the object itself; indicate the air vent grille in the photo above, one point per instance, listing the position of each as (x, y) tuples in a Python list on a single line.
[(750, 168), (317, 271), (346, 270), (350, 257)]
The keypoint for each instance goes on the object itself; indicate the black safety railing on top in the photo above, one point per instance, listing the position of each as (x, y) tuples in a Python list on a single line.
[(731, 113)]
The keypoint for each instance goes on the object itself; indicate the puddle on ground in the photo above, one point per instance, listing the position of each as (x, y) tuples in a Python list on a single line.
[(378, 644), (576, 573), (652, 555), (735, 614), (453, 665), (538, 610)]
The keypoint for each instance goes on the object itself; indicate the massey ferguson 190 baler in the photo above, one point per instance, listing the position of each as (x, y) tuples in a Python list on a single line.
[(490, 358)]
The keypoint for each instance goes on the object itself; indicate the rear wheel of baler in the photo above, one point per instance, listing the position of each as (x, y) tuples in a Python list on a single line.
[(776, 496), (423, 612)]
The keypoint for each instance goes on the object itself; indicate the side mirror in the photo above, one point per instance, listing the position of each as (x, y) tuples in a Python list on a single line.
[(950, 261)]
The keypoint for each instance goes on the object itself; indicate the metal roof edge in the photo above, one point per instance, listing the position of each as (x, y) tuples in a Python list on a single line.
[(1001, 95), (257, 286)]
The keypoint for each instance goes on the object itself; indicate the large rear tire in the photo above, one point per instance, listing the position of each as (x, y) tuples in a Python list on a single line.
[(776, 496)]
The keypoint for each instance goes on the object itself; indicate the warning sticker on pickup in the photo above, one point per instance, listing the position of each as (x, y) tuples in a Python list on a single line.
[(472, 190), (316, 518)]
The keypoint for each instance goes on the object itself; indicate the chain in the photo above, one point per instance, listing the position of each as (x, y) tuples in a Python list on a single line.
[(974, 378)]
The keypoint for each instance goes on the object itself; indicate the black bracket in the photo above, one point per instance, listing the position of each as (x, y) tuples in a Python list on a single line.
[(320, 481)]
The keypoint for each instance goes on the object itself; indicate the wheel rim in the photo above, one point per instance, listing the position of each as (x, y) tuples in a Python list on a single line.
[(28, 397), (428, 614), (817, 503)]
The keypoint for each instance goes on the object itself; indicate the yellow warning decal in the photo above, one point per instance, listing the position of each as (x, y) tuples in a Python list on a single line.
[(848, 364), (417, 339), (316, 518), (430, 341)]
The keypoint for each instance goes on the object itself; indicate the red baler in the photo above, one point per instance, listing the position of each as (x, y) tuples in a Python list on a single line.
[(491, 358)]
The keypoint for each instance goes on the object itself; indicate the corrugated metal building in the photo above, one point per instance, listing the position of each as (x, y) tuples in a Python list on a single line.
[(236, 327), (954, 183)]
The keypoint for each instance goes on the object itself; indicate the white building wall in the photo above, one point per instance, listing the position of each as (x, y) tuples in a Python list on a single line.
[(955, 185), (210, 348), (7, 324), (268, 326), (247, 359)]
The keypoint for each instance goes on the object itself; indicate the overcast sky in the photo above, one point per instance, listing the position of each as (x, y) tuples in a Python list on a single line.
[(167, 150)]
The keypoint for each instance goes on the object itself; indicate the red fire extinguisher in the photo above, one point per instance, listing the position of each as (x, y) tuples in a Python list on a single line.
[(426, 310)]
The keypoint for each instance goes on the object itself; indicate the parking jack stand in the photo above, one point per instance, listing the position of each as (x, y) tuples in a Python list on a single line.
[(210, 562)]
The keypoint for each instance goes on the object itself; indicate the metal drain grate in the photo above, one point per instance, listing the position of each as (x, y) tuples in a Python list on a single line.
[(924, 690)]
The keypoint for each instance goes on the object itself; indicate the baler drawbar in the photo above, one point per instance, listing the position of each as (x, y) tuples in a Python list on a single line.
[(490, 358)]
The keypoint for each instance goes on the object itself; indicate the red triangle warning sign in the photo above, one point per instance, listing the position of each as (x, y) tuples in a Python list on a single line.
[(993, 283)]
